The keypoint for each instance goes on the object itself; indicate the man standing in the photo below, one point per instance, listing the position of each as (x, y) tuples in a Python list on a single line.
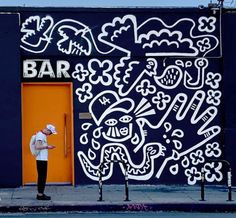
[(42, 159)]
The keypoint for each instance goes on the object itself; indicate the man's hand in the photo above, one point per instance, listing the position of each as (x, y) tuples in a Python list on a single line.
[(51, 147)]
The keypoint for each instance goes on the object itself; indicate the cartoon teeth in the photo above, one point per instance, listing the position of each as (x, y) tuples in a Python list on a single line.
[(113, 131), (118, 135)]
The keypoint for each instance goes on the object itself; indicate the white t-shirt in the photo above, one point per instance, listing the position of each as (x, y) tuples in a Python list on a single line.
[(43, 154)]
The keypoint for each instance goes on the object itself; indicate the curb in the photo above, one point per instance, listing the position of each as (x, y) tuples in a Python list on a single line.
[(130, 207)]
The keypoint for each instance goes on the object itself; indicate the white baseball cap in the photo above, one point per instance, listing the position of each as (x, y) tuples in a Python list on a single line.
[(51, 128)]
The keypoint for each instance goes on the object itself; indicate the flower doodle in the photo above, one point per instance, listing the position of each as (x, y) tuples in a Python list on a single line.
[(213, 80), (213, 150), (207, 24), (84, 93), (193, 175), (161, 100), (146, 88), (212, 172), (100, 71), (197, 157), (80, 73), (204, 44), (213, 97)]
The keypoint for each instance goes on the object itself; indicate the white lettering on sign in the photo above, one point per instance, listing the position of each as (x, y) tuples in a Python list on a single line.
[(62, 69), (46, 69), (29, 70), (40, 68)]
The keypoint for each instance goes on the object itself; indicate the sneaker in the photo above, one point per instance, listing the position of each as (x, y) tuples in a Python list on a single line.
[(43, 197)]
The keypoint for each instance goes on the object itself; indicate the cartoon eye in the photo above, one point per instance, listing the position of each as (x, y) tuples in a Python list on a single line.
[(125, 119), (111, 122), (150, 63)]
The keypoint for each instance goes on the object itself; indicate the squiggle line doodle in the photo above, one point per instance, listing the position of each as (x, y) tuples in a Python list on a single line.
[(128, 22), (201, 64), (206, 117), (150, 70), (179, 36), (122, 130), (170, 78), (156, 38), (112, 151), (177, 106)]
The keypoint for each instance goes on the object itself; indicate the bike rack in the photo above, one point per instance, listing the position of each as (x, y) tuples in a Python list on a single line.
[(229, 179), (126, 178)]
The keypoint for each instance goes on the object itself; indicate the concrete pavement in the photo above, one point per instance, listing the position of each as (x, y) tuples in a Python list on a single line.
[(141, 198)]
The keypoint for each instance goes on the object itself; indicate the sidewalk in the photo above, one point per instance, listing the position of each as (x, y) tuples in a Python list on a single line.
[(141, 198)]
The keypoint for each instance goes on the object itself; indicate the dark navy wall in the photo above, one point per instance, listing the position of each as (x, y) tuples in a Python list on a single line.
[(229, 55), (159, 92), (10, 102)]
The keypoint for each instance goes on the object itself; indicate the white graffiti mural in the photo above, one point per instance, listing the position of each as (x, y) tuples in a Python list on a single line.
[(154, 37), (154, 106)]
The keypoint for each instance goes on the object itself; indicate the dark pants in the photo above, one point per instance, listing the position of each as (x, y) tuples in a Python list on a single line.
[(42, 175)]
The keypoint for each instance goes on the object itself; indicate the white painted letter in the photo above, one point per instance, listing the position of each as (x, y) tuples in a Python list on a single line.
[(29, 70), (46, 69), (62, 68)]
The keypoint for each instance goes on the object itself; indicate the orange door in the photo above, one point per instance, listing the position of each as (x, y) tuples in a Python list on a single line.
[(49, 103)]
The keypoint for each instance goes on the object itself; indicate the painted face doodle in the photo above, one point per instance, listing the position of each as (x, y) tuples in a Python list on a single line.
[(103, 106)]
